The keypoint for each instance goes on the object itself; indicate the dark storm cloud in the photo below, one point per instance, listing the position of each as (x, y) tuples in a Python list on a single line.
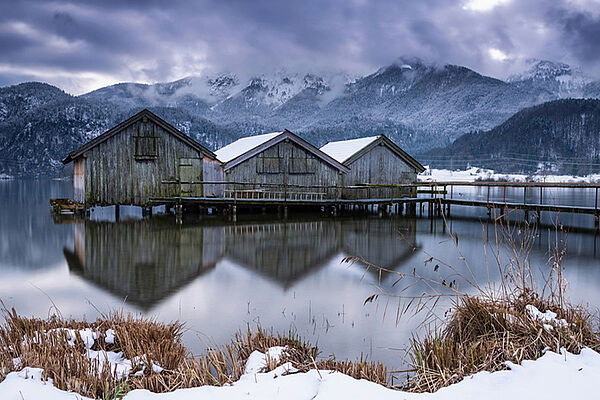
[(581, 33), (80, 45)]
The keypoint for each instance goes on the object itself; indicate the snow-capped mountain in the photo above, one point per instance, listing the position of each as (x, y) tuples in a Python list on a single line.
[(559, 79), (418, 105)]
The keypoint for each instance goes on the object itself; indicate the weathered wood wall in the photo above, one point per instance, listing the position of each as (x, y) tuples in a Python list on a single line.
[(379, 165), (286, 162), (114, 175), (213, 172), (79, 180)]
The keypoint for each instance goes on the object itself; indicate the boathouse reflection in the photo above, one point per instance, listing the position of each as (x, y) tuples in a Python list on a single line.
[(145, 261)]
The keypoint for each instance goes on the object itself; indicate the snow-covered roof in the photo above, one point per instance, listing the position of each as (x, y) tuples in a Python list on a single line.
[(344, 149), (241, 146)]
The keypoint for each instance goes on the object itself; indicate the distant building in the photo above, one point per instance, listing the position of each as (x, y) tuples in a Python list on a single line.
[(130, 163), (374, 160), (283, 160)]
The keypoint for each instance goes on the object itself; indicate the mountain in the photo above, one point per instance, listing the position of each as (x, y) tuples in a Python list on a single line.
[(19, 99), (564, 134), (420, 106), (193, 94), (34, 142), (439, 103), (557, 79), (592, 90)]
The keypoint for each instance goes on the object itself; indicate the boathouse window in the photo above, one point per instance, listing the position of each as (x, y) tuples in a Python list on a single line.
[(269, 162), (269, 165), (301, 162), (304, 165), (145, 148)]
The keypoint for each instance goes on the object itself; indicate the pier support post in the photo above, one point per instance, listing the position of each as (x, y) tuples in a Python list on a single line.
[(117, 213), (285, 212), (179, 213), (147, 211)]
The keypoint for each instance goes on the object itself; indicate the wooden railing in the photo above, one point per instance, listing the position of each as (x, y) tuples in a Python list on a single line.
[(287, 191)]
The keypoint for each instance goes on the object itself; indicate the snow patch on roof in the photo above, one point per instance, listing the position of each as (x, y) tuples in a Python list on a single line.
[(344, 149), (241, 146)]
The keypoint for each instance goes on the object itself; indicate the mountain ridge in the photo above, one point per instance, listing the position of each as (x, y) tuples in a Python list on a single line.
[(418, 105)]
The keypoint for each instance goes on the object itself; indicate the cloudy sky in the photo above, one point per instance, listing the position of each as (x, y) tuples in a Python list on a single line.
[(81, 45)]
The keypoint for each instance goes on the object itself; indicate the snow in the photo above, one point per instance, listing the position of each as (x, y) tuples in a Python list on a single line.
[(552, 376), (109, 337), (120, 366), (243, 145), (257, 360), (548, 318), (474, 173), (87, 336), (344, 149)]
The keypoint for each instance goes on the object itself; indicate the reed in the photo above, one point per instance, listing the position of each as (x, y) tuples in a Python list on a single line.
[(44, 343), (489, 323)]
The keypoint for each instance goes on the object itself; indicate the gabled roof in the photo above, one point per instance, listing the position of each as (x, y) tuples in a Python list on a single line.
[(240, 146), (344, 149), (348, 151), (125, 124), (245, 148)]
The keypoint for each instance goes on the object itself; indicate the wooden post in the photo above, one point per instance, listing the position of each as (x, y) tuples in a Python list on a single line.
[(179, 213), (117, 213), (525, 203), (596, 216)]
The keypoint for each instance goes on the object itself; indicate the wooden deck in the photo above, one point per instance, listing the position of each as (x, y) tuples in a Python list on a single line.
[(435, 198), (520, 206)]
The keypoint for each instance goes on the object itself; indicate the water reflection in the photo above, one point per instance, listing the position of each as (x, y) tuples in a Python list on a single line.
[(219, 277), (144, 261)]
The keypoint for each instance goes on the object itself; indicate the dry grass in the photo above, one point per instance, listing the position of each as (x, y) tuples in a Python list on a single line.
[(483, 333), (491, 325), (34, 342)]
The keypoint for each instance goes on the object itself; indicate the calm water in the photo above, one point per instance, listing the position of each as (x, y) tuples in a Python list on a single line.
[(219, 276)]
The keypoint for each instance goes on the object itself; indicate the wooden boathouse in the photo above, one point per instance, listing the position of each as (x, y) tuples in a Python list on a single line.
[(144, 161), (375, 160), (264, 166), (128, 163)]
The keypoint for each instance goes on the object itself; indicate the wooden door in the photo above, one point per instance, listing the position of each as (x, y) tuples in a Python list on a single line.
[(190, 170)]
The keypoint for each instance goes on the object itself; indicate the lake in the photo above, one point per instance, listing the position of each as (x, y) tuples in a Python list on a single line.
[(219, 276)]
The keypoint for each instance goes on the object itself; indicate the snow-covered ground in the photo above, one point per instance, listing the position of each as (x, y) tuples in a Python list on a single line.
[(553, 376), (472, 174)]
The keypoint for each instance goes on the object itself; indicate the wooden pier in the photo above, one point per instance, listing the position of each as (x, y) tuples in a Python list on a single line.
[(433, 199)]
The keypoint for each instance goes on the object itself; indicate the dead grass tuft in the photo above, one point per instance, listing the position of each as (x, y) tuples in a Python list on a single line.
[(43, 343), (483, 333), (491, 326)]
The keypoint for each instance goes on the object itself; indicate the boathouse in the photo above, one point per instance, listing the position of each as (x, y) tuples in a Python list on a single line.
[(374, 160), (279, 165), (130, 163)]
